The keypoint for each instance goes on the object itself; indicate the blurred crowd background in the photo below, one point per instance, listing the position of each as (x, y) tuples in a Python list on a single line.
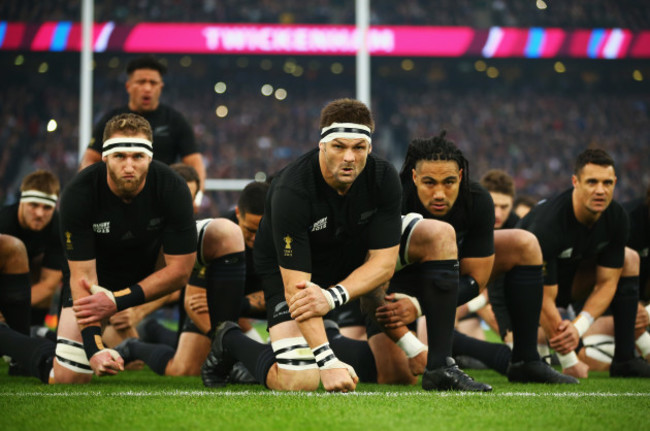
[(254, 114)]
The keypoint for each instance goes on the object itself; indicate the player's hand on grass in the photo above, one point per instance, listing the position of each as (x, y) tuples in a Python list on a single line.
[(579, 370), (308, 302), (342, 379), (95, 307), (566, 339), (396, 312), (106, 362)]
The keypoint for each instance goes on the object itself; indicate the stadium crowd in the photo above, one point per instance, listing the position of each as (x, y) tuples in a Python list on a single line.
[(531, 126), (474, 13)]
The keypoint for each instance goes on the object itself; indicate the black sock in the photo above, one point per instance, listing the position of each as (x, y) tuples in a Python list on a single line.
[(15, 301), (524, 288), (494, 355), (438, 296), (156, 356), (355, 353), (258, 358), (32, 354), (157, 333), (225, 279), (624, 308)]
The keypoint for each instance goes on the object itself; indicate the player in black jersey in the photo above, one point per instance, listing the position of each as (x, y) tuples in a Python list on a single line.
[(436, 184), (172, 133), (330, 232), (35, 221), (583, 233), (214, 292), (115, 218)]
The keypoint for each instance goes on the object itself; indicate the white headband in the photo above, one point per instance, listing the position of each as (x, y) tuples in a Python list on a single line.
[(38, 197), (128, 145), (345, 130)]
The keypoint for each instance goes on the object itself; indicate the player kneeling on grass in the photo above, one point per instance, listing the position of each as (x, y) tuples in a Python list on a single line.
[(115, 217)]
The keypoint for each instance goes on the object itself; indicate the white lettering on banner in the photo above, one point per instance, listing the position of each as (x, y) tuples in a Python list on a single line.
[(299, 39)]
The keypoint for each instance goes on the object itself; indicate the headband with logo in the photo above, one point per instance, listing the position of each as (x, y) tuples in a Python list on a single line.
[(127, 145), (346, 131)]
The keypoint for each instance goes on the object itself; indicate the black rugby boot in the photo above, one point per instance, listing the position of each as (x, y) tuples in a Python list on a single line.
[(216, 369), (451, 378), (536, 372), (636, 367)]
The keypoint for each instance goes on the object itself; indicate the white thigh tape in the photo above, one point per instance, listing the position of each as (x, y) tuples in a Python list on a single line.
[(71, 355), (294, 354)]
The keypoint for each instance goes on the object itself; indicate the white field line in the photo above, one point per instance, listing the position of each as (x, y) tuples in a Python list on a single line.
[(320, 394)]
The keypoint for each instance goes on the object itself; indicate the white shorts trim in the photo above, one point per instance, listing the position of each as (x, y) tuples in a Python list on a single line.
[(409, 221)]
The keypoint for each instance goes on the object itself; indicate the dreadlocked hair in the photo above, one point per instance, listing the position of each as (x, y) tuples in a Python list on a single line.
[(436, 148)]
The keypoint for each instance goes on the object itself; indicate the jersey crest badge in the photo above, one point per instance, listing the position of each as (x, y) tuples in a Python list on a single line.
[(288, 251), (319, 225), (103, 227)]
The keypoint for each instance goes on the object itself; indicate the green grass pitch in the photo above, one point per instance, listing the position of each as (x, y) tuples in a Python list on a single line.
[(141, 400)]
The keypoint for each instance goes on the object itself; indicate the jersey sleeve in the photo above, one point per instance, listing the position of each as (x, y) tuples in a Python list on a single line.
[(385, 227), (290, 213), (180, 232), (77, 235)]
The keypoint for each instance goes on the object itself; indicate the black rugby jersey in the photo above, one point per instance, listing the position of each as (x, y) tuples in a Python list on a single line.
[(565, 241), (45, 242), (125, 239), (472, 218), (511, 221), (173, 137), (308, 227)]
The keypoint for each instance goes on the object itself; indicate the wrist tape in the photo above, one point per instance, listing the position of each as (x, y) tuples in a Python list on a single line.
[(411, 345), (413, 300), (477, 303), (336, 296), (92, 339), (125, 298), (643, 344), (568, 360), (583, 322), (324, 356)]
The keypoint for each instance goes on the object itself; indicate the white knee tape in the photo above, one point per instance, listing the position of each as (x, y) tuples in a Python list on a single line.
[(71, 355), (599, 347), (294, 354)]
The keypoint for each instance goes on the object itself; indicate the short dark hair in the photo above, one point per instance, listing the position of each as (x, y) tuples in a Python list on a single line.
[(146, 62), (346, 111), (42, 181), (498, 181), (525, 200), (252, 198), (129, 124), (437, 148), (187, 172), (594, 156)]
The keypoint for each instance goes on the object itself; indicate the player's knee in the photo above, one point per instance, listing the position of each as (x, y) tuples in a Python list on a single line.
[(631, 264), (222, 237), (296, 366), (439, 238), (13, 253), (71, 365)]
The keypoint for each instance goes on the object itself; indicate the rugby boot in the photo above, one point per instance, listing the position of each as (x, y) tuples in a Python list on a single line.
[(215, 371), (240, 375), (451, 378), (536, 372), (124, 349), (636, 367)]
